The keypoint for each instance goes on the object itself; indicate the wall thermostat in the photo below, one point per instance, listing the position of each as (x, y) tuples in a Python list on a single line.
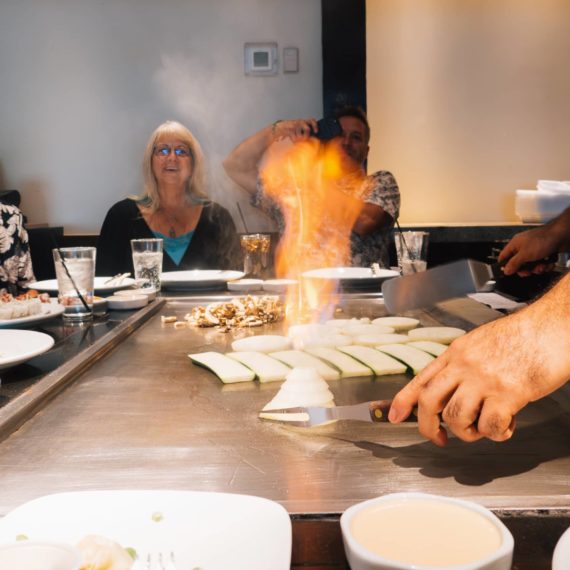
[(260, 58)]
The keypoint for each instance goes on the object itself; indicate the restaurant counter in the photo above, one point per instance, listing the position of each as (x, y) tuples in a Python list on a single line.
[(129, 411)]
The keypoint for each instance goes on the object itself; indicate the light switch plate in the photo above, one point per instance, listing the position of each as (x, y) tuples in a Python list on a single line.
[(290, 60)]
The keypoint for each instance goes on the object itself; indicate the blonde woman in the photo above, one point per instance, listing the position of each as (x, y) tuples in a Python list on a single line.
[(197, 233)]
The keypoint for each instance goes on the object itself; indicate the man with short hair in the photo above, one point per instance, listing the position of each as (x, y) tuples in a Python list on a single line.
[(378, 193)]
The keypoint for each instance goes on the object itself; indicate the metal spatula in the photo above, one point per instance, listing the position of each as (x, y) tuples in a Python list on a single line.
[(375, 411), (426, 288)]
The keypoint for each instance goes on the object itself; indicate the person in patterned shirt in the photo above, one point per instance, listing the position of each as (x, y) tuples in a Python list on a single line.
[(378, 193), (15, 259)]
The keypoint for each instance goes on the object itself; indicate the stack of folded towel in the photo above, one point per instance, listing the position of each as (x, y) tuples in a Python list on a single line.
[(549, 199)]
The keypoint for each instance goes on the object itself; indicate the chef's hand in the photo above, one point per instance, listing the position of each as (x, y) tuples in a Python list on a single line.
[(530, 245), (477, 386), (294, 129)]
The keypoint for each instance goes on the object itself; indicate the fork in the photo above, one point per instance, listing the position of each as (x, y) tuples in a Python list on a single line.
[(158, 561), (118, 278)]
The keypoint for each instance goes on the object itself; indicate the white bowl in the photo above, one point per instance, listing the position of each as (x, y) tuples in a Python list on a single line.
[(150, 293), (245, 285), (125, 303), (278, 285), (404, 519), (32, 555)]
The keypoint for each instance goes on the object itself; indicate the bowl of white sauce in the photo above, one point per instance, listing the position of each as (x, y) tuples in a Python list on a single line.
[(419, 531)]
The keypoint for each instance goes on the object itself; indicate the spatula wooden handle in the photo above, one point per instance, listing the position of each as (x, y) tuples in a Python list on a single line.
[(379, 411)]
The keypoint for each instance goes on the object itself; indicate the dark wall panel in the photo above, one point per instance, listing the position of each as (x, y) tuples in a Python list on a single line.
[(344, 53)]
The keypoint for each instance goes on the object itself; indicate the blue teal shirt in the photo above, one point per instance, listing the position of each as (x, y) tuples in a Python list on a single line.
[(176, 247)]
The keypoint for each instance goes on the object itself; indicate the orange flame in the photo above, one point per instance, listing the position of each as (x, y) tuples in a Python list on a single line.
[(316, 188)]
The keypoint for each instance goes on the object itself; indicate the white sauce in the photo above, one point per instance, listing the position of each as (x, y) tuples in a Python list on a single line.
[(425, 532)]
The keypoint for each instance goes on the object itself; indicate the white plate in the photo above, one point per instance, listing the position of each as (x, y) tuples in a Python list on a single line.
[(213, 531), (561, 557), (17, 346), (245, 285), (50, 285), (126, 302), (278, 285), (49, 311), (197, 278), (354, 276)]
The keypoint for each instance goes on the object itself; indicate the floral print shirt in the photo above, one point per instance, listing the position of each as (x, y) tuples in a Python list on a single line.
[(380, 189), (15, 259)]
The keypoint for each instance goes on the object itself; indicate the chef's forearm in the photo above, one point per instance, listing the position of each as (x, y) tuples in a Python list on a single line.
[(560, 228)]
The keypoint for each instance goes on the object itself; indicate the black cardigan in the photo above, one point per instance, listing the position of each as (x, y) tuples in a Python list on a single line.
[(214, 245)]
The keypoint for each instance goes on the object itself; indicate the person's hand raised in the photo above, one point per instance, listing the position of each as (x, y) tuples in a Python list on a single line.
[(294, 129)]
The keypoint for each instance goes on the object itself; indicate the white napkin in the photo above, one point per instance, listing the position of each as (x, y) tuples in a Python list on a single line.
[(553, 186), (533, 206)]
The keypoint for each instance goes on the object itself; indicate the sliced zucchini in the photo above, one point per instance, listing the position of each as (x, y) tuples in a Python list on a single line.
[(435, 348), (380, 363), (376, 339), (356, 330), (397, 323), (444, 335), (300, 359), (261, 343), (226, 369), (266, 369), (348, 366), (414, 358)]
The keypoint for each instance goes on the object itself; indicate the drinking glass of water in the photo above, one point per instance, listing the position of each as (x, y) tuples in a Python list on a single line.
[(75, 272), (147, 261), (411, 250)]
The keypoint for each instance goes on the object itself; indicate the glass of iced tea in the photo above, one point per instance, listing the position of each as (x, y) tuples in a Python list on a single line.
[(255, 248)]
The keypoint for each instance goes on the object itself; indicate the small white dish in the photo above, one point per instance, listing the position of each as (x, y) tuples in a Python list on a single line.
[(99, 306), (245, 285), (278, 285), (561, 556), (150, 293), (126, 303), (17, 346), (32, 555), (424, 527)]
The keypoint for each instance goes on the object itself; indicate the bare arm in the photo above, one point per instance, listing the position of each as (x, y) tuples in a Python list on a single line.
[(371, 219), (536, 244), (242, 164), (485, 377)]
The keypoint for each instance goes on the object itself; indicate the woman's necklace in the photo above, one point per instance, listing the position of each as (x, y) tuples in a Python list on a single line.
[(171, 220)]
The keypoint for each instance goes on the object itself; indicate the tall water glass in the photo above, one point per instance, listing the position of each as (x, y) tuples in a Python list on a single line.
[(147, 261), (411, 250), (75, 272)]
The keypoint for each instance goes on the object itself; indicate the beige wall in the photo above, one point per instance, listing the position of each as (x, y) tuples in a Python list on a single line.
[(468, 101)]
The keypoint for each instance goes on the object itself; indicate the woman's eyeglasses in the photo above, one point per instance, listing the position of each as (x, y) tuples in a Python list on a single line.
[(162, 150)]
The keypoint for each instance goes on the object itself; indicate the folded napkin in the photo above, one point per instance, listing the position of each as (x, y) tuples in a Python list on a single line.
[(553, 186), (533, 206)]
